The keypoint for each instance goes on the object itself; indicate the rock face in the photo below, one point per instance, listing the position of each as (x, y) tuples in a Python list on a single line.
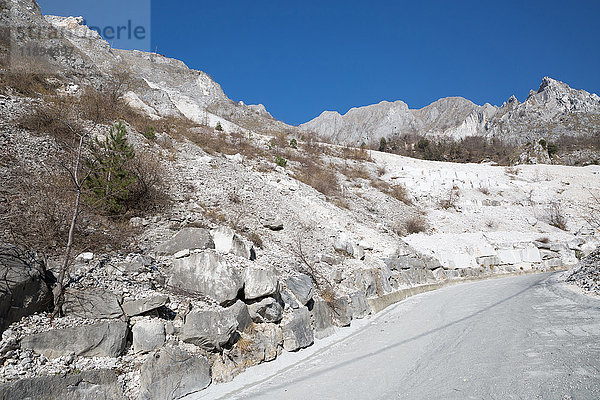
[(259, 282), (210, 330), (297, 331), (22, 287), (141, 306), (552, 110), (106, 339), (206, 273), (88, 385), (93, 304), (171, 374), (187, 238), (148, 335)]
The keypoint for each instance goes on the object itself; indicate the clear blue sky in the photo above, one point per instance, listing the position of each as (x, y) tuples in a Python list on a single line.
[(300, 58)]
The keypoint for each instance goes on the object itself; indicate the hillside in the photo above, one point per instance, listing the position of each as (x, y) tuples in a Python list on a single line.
[(158, 238)]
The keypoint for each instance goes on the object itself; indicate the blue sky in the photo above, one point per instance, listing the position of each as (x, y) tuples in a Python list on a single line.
[(300, 58)]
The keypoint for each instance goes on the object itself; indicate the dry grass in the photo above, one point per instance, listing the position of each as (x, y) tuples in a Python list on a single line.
[(320, 177), (398, 191), (451, 198), (416, 224)]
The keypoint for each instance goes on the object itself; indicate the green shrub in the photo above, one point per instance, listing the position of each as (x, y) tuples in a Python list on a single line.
[(282, 162), (219, 127), (150, 133)]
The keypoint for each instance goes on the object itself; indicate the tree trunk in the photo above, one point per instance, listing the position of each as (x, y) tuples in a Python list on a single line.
[(60, 284)]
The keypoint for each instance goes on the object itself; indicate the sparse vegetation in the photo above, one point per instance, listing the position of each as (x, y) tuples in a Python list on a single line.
[(416, 224), (556, 216), (450, 200)]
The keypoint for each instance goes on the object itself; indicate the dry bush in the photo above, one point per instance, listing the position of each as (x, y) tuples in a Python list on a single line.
[(544, 240), (256, 240), (149, 193), (398, 191), (353, 153), (416, 224), (450, 200), (320, 177), (353, 172), (26, 84), (556, 216), (485, 190), (39, 212)]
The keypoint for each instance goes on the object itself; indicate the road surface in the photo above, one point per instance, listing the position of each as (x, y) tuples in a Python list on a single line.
[(525, 337)]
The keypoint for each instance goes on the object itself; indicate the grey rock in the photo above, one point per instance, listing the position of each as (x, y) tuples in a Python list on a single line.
[(206, 273), (210, 330), (323, 319), (187, 238), (141, 306), (148, 335), (22, 287), (342, 311), (171, 374), (288, 299), (92, 304), (106, 339), (488, 261), (241, 314), (440, 274), (297, 331), (263, 345), (302, 287), (259, 282), (266, 310), (87, 385), (359, 305), (272, 223)]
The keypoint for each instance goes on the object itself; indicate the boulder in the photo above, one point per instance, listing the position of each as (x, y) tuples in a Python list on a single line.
[(187, 238), (259, 282), (87, 385), (22, 287), (342, 312), (297, 331), (440, 274), (228, 242), (241, 314), (266, 310), (359, 305), (210, 329), (171, 374), (302, 287), (323, 319), (141, 306), (262, 345), (206, 273), (92, 304), (105, 339), (148, 335), (345, 246), (273, 223), (288, 299)]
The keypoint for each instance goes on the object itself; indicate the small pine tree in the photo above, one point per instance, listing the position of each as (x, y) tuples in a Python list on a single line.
[(111, 179), (219, 127), (382, 144)]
